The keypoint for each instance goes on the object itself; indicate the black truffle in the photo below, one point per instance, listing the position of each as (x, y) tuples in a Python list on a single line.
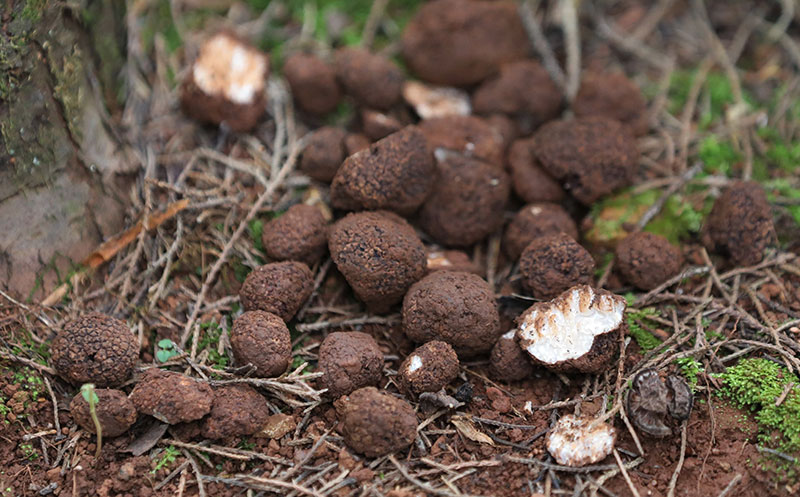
[(313, 83), (535, 221), (263, 340), (372, 80), (612, 95), (324, 153), (171, 397), (429, 368), (238, 411), (115, 412), (646, 260), (554, 263), (349, 361), (374, 423), (279, 287), (300, 234)]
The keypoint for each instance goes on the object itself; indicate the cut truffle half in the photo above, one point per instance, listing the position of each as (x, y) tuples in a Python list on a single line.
[(575, 332), (578, 442)]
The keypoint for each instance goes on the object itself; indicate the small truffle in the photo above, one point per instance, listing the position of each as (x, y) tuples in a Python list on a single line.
[(467, 135), (238, 411), (324, 153), (531, 183), (533, 222), (454, 307), (740, 224), (279, 287), (377, 125), (432, 101), (263, 340), (95, 348), (575, 332), (313, 83), (646, 260), (508, 362), (227, 83), (115, 412), (429, 368), (578, 442), (452, 260), (551, 264), (372, 80), (171, 397), (300, 234), (349, 360), (374, 423), (590, 156), (467, 203), (612, 95), (649, 401)]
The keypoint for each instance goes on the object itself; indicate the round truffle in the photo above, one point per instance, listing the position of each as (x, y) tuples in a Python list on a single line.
[(551, 264), (429, 368), (115, 412), (577, 441), (263, 340), (324, 153), (451, 260), (95, 348), (460, 42), (454, 307), (395, 173), (313, 83), (646, 260), (612, 95), (590, 156), (740, 224), (349, 360), (467, 203), (467, 135), (377, 125), (533, 222), (374, 423), (278, 287), (372, 80), (380, 256), (238, 411), (171, 397), (300, 234), (508, 362), (531, 183)]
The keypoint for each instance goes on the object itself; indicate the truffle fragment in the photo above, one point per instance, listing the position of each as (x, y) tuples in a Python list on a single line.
[(578, 442), (374, 423), (467, 135), (372, 80), (278, 287), (429, 368), (646, 260), (313, 83), (238, 411), (263, 340), (300, 234), (552, 263), (432, 101), (171, 397), (533, 222), (114, 412), (348, 361), (649, 401), (508, 362), (324, 153), (612, 95), (531, 183)]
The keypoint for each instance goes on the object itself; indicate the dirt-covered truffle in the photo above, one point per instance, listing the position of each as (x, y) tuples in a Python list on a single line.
[(656, 406), (531, 183), (279, 287), (452, 260), (578, 331), (590, 156), (262, 339), (508, 362), (740, 224), (374, 423), (467, 202), (436, 101), (349, 360), (377, 125), (552, 263), (372, 80), (455, 307), (533, 222), (380, 256), (468, 135), (646, 260), (227, 83), (95, 348), (395, 173), (578, 442), (429, 368), (461, 42), (313, 83), (171, 397), (238, 411), (299, 234), (355, 142), (115, 412), (324, 153), (612, 95)]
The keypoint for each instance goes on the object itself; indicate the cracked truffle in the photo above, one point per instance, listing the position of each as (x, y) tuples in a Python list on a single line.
[(380, 256), (300, 234), (171, 397), (372, 80), (324, 153), (650, 401), (262, 339), (313, 83), (238, 411), (374, 423), (429, 368), (467, 135), (646, 260), (349, 360), (531, 183), (578, 442), (551, 264), (279, 287), (454, 307), (533, 222), (95, 348), (114, 412), (612, 95), (508, 362)]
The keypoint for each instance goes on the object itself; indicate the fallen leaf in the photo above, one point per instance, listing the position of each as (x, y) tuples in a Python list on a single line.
[(465, 427)]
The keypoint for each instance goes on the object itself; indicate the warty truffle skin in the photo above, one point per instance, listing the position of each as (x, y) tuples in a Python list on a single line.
[(349, 360), (237, 411), (279, 287), (372, 80), (171, 397), (551, 264), (300, 234), (531, 183), (114, 412), (429, 368), (313, 83), (324, 153), (374, 423), (646, 260), (507, 361), (612, 95), (263, 340), (534, 221)]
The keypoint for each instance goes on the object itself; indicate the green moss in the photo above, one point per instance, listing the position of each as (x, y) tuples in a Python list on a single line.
[(33, 10), (691, 369), (718, 157), (784, 187), (256, 227), (716, 91), (646, 340)]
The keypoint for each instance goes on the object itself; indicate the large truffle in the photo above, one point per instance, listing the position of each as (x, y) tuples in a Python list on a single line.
[(349, 360), (313, 83), (171, 397), (238, 411), (646, 260), (374, 423), (552, 263), (531, 183), (467, 202), (612, 95), (454, 307), (533, 222), (468, 135), (300, 234), (115, 412), (590, 156), (577, 441), (279, 287), (263, 340), (380, 256), (95, 348), (578, 331), (508, 362), (740, 224), (324, 153), (461, 42), (372, 80), (429, 368)]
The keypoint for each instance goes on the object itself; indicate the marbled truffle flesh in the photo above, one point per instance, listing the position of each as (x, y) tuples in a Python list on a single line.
[(646, 260), (531, 183), (372, 80), (263, 340), (577, 441), (374, 423), (171, 397), (535, 221), (115, 412), (551, 264), (279, 287), (429, 368), (313, 83), (324, 153), (299, 234), (349, 360), (612, 95), (507, 361), (238, 411)]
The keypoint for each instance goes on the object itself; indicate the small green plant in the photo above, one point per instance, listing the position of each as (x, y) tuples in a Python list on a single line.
[(691, 369), (168, 457), (646, 340), (718, 157), (28, 451), (90, 396), (4, 410), (256, 227), (166, 350), (209, 340)]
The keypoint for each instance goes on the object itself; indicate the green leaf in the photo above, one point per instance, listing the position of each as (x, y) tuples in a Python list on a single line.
[(165, 343), (89, 395)]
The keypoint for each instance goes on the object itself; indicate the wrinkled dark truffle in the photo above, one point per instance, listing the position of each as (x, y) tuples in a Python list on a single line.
[(740, 224), (452, 260), (535, 221), (551, 264), (377, 125), (324, 153), (429, 368), (279, 287), (374, 423), (454, 307), (115, 412), (646, 260), (461, 42), (371, 79), (349, 360), (612, 95), (313, 83), (380, 256), (651, 403), (531, 183), (238, 411), (508, 362), (171, 397), (263, 340), (95, 348), (300, 234), (468, 135)]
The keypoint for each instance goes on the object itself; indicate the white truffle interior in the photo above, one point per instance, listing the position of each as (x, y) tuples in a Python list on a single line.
[(565, 328), (575, 442), (230, 68)]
